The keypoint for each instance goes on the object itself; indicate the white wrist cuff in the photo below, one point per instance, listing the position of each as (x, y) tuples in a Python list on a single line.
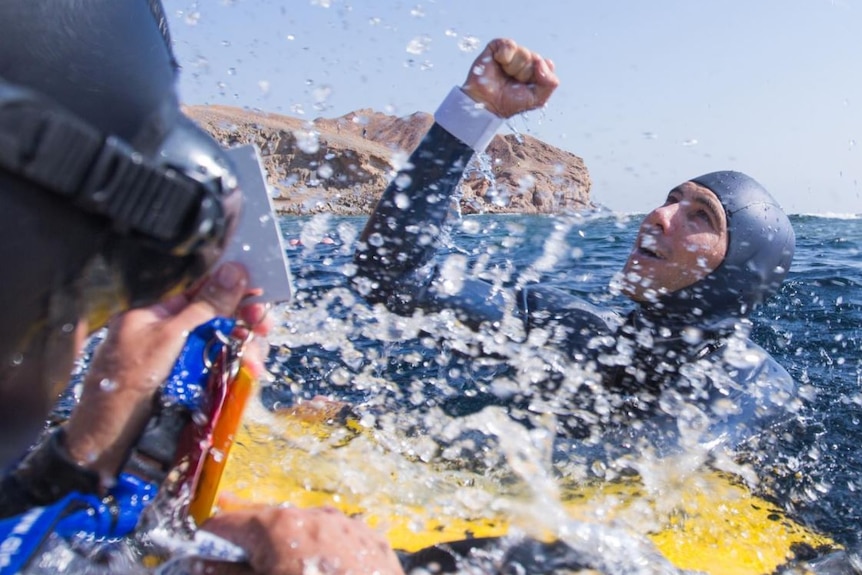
[(467, 120)]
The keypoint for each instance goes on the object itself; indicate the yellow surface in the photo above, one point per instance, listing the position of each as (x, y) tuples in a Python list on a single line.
[(704, 521)]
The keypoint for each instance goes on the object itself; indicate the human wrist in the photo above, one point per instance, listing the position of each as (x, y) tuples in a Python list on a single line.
[(106, 423), (49, 472), (467, 120)]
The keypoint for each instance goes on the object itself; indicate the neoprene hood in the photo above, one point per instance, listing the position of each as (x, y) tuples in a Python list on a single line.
[(760, 249)]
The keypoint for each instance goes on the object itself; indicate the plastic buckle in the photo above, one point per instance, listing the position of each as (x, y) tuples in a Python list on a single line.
[(137, 195)]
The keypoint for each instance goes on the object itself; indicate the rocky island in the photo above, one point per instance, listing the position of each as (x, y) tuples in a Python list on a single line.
[(341, 165)]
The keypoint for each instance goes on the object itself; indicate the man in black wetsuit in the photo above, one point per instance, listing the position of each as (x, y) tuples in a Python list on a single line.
[(680, 364)]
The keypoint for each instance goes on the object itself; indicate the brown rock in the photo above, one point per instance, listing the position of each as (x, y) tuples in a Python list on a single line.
[(341, 165)]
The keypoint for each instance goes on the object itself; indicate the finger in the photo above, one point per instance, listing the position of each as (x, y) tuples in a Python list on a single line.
[(256, 316), (219, 295), (546, 81), (520, 66), (171, 306), (503, 50), (544, 72)]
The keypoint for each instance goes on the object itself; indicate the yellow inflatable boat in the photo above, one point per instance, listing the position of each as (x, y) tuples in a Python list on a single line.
[(704, 520)]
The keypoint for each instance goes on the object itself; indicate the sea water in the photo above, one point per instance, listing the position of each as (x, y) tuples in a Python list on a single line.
[(330, 343)]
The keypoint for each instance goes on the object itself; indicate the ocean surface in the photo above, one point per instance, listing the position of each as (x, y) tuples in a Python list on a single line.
[(330, 342)]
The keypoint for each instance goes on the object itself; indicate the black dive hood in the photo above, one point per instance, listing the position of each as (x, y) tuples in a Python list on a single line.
[(760, 249), (89, 113), (110, 196)]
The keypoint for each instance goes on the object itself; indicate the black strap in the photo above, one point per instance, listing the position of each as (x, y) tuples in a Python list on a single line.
[(103, 176), (47, 474)]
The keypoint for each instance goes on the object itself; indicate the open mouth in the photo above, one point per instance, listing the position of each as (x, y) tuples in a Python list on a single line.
[(649, 253), (647, 246)]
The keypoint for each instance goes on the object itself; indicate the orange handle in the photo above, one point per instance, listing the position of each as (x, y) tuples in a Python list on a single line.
[(223, 435)]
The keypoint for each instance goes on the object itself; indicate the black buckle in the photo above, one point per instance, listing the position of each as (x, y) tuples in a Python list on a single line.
[(67, 156), (136, 195)]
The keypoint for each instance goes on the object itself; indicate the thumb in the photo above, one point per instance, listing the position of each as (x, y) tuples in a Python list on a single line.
[(219, 295)]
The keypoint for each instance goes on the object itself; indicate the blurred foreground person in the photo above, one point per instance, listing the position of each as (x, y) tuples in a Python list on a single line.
[(112, 201)]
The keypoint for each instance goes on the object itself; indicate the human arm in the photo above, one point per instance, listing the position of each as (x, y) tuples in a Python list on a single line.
[(402, 234), (127, 370)]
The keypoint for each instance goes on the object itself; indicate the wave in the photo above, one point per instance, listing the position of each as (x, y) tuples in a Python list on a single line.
[(829, 216)]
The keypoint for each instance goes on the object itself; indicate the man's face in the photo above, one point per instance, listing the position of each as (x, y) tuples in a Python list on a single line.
[(678, 244)]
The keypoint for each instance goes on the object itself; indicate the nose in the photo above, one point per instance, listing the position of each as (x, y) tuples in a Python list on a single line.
[(662, 216)]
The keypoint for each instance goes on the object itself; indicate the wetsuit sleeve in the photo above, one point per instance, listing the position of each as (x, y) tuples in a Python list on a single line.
[(750, 399), (402, 234), (397, 249)]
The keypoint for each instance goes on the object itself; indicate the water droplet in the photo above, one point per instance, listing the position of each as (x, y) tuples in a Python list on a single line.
[(692, 335), (349, 270), (417, 12), (307, 140), (403, 181), (526, 183), (321, 94), (689, 142), (325, 171), (17, 359), (192, 18), (108, 385), (375, 239), (418, 45), (452, 273), (468, 44), (402, 201), (341, 377), (264, 86)]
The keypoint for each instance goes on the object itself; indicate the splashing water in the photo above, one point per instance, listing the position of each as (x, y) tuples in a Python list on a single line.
[(416, 448)]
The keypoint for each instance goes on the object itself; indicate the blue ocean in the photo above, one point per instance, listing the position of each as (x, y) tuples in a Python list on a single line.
[(328, 342)]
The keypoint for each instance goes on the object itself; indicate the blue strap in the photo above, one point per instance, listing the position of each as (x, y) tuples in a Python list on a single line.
[(112, 517), (23, 534), (76, 515), (186, 383)]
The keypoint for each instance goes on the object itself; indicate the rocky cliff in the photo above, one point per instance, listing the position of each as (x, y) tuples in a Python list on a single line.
[(341, 165)]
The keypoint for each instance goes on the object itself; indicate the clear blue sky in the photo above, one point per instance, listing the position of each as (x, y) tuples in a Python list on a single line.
[(653, 92)]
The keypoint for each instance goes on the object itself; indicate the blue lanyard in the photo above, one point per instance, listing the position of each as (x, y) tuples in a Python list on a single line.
[(75, 515)]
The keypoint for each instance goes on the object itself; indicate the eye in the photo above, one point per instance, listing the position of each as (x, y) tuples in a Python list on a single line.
[(703, 216)]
